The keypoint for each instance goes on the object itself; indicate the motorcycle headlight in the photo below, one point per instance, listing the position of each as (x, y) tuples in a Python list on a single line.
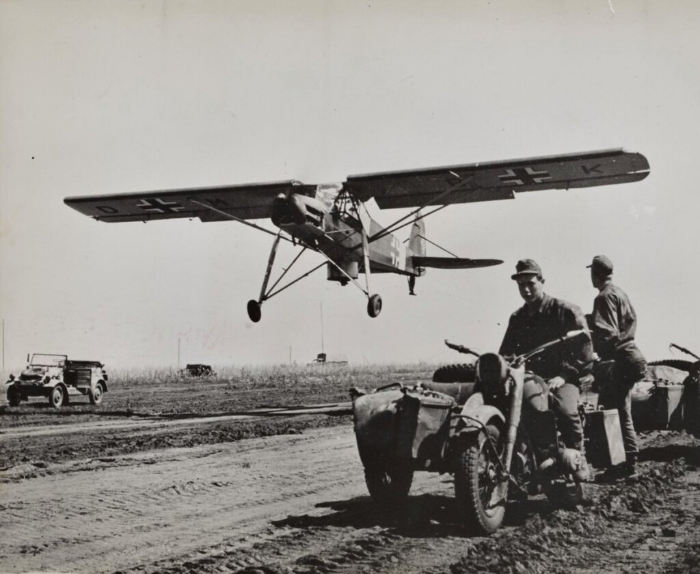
[(492, 371)]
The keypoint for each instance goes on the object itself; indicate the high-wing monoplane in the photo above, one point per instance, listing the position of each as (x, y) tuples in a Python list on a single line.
[(333, 220)]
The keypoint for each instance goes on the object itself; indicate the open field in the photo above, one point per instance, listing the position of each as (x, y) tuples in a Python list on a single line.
[(165, 476), (148, 410)]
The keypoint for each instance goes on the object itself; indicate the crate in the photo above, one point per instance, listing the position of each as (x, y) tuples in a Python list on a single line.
[(423, 427), (604, 436)]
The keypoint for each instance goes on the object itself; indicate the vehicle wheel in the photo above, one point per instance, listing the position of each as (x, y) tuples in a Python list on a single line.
[(481, 497), (374, 306), (96, 394), (57, 397), (565, 492), (13, 396), (388, 483), (254, 311), (462, 373)]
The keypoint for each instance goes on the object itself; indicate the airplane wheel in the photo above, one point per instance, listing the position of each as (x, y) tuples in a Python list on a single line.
[(254, 311), (374, 306)]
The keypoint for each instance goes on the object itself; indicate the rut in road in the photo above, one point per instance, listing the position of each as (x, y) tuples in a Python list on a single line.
[(172, 502), (298, 503)]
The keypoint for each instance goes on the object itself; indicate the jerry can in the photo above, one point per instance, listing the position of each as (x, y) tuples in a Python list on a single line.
[(604, 446)]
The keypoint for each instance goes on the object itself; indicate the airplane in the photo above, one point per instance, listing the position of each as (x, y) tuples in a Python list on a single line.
[(332, 219)]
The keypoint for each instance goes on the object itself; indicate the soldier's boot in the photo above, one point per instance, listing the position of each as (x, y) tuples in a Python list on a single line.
[(582, 473), (629, 470), (625, 471)]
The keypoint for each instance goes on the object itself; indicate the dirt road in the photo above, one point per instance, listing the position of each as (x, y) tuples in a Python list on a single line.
[(297, 503), (126, 512)]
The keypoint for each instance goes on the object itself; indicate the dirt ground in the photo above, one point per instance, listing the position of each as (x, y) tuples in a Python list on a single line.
[(172, 477)]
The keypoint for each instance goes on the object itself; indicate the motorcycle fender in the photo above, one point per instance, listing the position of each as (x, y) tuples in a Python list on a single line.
[(475, 415)]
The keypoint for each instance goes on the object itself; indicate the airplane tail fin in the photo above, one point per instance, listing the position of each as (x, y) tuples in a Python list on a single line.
[(416, 249), (417, 243)]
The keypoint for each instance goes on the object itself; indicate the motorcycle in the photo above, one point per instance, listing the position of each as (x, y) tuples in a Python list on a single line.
[(473, 430), (494, 450)]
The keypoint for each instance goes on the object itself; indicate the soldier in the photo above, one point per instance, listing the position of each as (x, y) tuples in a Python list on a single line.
[(613, 324), (558, 372)]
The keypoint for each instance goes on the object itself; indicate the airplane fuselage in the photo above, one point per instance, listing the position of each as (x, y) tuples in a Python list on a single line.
[(338, 234)]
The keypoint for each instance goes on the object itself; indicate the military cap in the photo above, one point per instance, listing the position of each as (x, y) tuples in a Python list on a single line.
[(526, 267), (601, 265)]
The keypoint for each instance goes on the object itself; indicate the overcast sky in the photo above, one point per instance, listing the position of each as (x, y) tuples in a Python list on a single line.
[(101, 97)]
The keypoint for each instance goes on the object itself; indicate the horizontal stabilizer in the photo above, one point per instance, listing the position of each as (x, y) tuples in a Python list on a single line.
[(453, 262)]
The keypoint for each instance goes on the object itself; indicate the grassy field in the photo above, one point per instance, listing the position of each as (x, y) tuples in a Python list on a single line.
[(167, 394)]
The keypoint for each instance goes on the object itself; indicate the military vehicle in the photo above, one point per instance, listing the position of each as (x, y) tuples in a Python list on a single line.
[(57, 378), (471, 432), (198, 370)]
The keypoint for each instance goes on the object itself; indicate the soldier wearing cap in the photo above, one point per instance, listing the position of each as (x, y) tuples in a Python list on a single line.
[(613, 324), (558, 371)]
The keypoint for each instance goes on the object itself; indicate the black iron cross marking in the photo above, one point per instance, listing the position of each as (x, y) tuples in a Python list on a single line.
[(156, 205), (524, 176)]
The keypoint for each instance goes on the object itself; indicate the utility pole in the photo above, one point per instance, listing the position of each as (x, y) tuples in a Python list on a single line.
[(3, 345), (322, 349), (178, 354)]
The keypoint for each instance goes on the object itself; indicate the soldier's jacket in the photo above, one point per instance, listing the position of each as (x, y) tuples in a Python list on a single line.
[(555, 318), (613, 321)]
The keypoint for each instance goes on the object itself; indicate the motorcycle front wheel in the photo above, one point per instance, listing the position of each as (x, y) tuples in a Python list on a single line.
[(480, 492)]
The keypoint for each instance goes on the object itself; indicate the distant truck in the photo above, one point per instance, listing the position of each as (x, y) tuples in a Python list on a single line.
[(57, 378), (198, 370), (324, 359)]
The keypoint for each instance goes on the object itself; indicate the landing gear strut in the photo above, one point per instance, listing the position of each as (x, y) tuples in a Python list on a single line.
[(254, 307), (374, 303)]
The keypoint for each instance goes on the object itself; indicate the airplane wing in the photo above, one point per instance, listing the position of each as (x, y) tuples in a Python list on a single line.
[(251, 201), (498, 180)]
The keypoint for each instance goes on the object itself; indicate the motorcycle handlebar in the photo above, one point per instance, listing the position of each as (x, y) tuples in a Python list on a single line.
[(686, 351), (519, 360), (461, 348)]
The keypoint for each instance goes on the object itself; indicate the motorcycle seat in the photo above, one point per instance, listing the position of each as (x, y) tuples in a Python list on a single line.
[(460, 392)]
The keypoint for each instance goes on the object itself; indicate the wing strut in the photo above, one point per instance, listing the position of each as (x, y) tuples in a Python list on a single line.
[(254, 306), (393, 227), (243, 221)]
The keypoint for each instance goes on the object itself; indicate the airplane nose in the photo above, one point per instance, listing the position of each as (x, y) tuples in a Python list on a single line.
[(287, 210)]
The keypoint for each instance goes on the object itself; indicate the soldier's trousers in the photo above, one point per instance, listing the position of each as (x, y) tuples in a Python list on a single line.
[(562, 401), (616, 393)]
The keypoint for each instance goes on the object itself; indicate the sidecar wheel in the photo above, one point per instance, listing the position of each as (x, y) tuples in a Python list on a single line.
[(481, 497), (388, 483), (565, 492)]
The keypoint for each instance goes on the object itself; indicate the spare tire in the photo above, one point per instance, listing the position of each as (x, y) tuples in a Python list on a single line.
[(680, 364), (461, 373)]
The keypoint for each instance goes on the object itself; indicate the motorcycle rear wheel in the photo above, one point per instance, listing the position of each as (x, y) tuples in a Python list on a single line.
[(481, 496)]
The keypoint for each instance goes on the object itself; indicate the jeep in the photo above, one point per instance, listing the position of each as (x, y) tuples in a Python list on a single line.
[(57, 378)]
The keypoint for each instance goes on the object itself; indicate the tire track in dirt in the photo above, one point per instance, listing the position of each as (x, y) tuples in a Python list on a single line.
[(298, 504), (171, 503)]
